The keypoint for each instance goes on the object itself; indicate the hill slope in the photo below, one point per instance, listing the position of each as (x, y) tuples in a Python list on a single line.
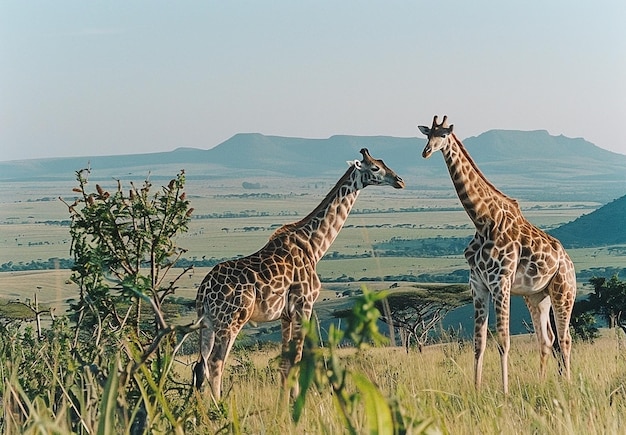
[(602, 227)]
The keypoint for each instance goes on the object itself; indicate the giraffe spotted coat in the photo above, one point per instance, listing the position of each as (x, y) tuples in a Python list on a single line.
[(507, 255), (280, 280)]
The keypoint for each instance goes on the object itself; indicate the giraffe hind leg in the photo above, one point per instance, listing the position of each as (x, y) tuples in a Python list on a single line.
[(539, 308), (217, 358), (563, 293), (207, 342)]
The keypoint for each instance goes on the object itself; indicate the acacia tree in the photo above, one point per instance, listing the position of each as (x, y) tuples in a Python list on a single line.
[(415, 313), (609, 300)]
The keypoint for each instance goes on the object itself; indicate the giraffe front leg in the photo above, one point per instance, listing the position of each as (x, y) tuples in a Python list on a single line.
[(563, 294), (480, 343), (481, 314), (216, 370), (293, 345), (502, 305), (286, 357)]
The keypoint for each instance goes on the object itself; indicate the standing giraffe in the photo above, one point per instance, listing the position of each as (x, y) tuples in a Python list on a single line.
[(508, 255), (280, 280)]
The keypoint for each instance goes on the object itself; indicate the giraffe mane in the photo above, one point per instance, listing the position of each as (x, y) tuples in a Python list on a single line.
[(480, 173), (290, 227)]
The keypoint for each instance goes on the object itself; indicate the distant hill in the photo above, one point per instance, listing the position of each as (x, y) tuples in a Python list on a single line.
[(300, 157), (602, 227), (524, 164)]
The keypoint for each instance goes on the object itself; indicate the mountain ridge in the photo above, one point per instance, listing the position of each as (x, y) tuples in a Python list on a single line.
[(516, 161)]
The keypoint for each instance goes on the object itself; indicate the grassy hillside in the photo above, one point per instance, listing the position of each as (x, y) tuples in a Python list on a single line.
[(434, 387), (602, 227)]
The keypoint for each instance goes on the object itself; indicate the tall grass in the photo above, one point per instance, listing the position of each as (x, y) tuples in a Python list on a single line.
[(434, 387), (437, 386)]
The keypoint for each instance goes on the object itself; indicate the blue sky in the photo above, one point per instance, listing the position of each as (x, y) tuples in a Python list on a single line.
[(84, 78)]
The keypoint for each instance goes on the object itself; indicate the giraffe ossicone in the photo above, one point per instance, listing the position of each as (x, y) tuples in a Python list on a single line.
[(507, 256), (280, 280)]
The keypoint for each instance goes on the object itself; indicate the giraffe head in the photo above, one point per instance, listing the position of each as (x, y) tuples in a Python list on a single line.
[(438, 136), (374, 172)]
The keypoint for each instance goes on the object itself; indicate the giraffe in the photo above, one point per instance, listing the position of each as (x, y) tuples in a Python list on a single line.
[(279, 280), (508, 255)]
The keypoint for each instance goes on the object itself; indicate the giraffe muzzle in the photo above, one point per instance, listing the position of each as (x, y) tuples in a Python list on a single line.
[(399, 184), (427, 152)]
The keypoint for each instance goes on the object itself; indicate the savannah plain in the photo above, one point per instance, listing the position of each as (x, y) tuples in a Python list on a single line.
[(230, 221), (435, 386)]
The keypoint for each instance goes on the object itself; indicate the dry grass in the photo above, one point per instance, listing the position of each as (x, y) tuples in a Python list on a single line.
[(437, 385)]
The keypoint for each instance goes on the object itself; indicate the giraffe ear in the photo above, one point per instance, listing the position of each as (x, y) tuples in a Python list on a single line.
[(355, 163), (425, 130)]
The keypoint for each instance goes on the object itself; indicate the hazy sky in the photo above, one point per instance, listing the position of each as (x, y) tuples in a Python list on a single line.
[(81, 78)]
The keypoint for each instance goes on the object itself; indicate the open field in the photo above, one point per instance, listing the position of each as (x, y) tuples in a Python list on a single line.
[(30, 228), (230, 221)]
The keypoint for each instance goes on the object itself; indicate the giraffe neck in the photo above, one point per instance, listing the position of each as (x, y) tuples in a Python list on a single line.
[(319, 229), (482, 201)]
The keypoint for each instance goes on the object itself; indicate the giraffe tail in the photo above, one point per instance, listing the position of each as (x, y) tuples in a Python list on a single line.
[(199, 374), (557, 353)]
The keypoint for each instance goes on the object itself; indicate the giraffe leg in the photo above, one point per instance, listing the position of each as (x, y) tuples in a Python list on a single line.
[(223, 344), (215, 344), (293, 341), (502, 304), (539, 308), (481, 315), (207, 340), (286, 358), (562, 293)]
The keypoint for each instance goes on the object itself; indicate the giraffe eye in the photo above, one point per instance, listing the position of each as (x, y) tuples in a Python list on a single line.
[(375, 169)]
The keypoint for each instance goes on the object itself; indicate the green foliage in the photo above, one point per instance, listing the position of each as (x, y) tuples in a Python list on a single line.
[(106, 423), (362, 328), (123, 247), (583, 324), (327, 371), (111, 369), (608, 300)]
